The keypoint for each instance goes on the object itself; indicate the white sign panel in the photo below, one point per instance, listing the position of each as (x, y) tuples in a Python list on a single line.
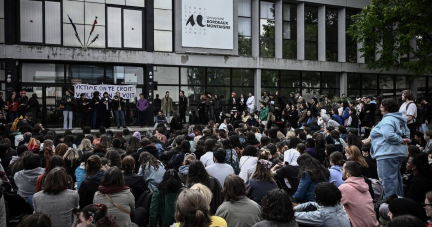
[(208, 24), (126, 91)]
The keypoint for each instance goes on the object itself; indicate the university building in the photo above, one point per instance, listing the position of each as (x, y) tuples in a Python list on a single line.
[(196, 46)]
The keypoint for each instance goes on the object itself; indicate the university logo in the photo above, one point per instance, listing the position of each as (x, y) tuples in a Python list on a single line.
[(199, 20)]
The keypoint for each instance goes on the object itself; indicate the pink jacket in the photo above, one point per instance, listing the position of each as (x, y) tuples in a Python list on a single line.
[(358, 202)]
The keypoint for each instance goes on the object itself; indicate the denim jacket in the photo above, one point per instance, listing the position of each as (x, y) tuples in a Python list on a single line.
[(305, 190), (323, 216), (232, 159), (151, 176)]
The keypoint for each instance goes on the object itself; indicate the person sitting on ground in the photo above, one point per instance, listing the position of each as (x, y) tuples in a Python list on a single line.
[(406, 221), (95, 215), (91, 184), (207, 158), (135, 182), (116, 146), (238, 210), (336, 163), (36, 219), (277, 210), (421, 182), (219, 170), (25, 180), (205, 191), (405, 206), (329, 212), (151, 169), (184, 169), (247, 161), (356, 197)]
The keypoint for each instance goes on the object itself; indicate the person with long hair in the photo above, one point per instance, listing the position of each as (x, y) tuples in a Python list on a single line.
[(36, 219), (151, 169), (238, 210), (93, 178), (329, 211), (81, 171), (192, 210), (198, 174), (116, 196), (55, 161), (134, 145), (247, 161), (12, 105), (262, 180), (311, 172), (231, 157), (353, 153), (94, 215), (72, 161), (277, 210), (61, 149), (164, 198), (132, 180), (184, 169), (56, 199), (85, 146)]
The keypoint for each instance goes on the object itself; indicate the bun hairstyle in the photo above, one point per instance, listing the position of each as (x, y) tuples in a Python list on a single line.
[(192, 209), (97, 211), (93, 165)]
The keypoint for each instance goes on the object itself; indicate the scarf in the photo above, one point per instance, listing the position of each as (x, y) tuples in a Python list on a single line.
[(111, 189)]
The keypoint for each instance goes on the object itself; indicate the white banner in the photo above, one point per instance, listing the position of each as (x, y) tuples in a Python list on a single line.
[(208, 24), (126, 91)]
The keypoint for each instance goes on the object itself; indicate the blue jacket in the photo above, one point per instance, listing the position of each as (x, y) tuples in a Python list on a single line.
[(306, 189), (386, 137), (338, 119), (324, 216), (336, 175), (80, 174), (345, 114)]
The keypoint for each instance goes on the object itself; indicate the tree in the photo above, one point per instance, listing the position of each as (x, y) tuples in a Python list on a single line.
[(391, 25)]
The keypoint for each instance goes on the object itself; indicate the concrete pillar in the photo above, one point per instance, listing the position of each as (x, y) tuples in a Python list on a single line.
[(413, 44), (300, 31), (414, 87), (360, 59), (343, 83), (342, 35), (322, 33), (255, 28), (278, 29), (257, 87)]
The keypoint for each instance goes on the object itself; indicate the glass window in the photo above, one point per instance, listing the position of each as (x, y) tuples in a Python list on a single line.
[(193, 93), (330, 80), (330, 92), (52, 22), (267, 30), (403, 82), (386, 81), (309, 93), (31, 22), (42, 73), (311, 33), (289, 32), (331, 34), (86, 74), (245, 46), (369, 92), (114, 27), (354, 93), (225, 91), (127, 75), (245, 28), (173, 90), (218, 76), (269, 78), (243, 91), (290, 79), (353, 80), (166, 75), (243, 77), (244, 8), (369, 81), (133, 28), (193, 76), (351, 43), (311, 79)]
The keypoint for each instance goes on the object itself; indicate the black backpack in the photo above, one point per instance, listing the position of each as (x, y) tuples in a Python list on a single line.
[(419, 119)]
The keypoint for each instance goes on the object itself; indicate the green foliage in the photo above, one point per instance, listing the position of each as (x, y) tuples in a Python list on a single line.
[(390, 25)]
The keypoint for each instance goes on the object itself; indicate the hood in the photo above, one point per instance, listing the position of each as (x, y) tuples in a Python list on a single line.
[(325, 117), (31, 175), (97, 177), (131, 178), (184, 170), (358, 183), (291, 156), (397, 115), (338, 168)]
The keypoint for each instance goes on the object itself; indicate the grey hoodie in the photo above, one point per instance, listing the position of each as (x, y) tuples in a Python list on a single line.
[(25, 180)]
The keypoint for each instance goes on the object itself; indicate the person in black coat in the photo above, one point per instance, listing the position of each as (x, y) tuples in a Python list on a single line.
[(421, 182), (136, 183), (146, 145), (84, 109), (105, 110), (193, 118), (157, 102), (176, 123), (183, 102), (370, 108), (68, 103), (202, 110), (34, 107), (23, 104), (233, 103), (95, 107), (92, 182)]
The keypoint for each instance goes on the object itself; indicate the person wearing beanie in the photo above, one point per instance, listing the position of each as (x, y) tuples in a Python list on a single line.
[(137, 135), (405, 206)]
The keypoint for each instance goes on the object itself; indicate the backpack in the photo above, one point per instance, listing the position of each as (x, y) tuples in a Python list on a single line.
[(377, 189), (14, 126), (419, 119)]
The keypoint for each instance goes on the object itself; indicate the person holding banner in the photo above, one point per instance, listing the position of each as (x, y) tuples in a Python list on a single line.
[(95, 106), (105, 110), (142, 106), (119, 108), (167, 105), (68, 104), (84, 108)]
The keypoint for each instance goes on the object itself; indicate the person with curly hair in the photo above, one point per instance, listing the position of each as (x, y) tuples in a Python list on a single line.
[(329, 212), (311, 172), (277, 210), (114, 159), (151, 169), (262, 180), (198, 174)]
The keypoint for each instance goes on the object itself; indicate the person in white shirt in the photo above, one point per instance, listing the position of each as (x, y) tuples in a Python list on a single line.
[(409, 110), (224, 124), (207, 158), (219, 169), (251, 103), (248, 161)]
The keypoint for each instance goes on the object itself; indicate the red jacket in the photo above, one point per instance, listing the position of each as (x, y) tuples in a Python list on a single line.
[(12, 107)]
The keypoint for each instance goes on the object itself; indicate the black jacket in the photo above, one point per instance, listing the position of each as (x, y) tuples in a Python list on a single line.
[(167, 155), (70, 106), (193, 119), (137, 184), (416, 189), (370, 117), (118, 101), (88, 188), (183, 102), (83, 105)]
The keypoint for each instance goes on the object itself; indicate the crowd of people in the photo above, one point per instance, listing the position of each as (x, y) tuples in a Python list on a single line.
[(361, 162)]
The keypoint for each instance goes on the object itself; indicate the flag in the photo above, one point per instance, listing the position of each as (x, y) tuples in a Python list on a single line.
[(76, 33), (93, 27), (94, 40)]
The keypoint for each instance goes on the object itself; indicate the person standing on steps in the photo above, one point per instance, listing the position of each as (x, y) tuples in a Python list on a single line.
[(68, 103), (84, 109), (142, 106), (119, 110), (167, 105), (183, 103), (95, 106), (23, 104)]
